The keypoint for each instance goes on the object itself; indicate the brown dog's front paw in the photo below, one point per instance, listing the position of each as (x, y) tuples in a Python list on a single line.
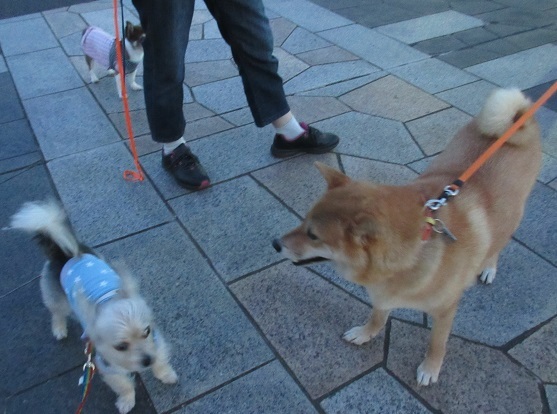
[(428, 373), (358, 335)]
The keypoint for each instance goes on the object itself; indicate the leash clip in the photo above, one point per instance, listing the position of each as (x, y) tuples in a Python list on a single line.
[(434, 204)]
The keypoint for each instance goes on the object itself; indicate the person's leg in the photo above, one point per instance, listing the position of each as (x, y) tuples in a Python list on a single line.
[(246, 29), (166, 24)]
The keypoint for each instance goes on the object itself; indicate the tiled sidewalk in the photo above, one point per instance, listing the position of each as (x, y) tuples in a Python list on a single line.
[(250, 333)]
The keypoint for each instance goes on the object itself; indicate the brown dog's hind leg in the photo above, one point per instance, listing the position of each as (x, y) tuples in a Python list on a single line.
[(362, 334), (428, 371)]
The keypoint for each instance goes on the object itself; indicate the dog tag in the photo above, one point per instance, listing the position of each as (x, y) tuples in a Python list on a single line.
[(440, 228)]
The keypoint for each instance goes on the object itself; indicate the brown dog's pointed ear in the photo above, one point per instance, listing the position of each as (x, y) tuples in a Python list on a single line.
[(333, 177), (129, 27)]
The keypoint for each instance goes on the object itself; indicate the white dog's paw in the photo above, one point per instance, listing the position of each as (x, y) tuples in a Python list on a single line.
[(94, 79), (60, 333), (488, 275), (357, 335), (426, 375), (111, 72), (125, 403), (167, 375), (136, 86)]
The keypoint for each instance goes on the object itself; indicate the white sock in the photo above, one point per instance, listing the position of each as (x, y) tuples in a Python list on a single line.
[(168, 147), (291, 130)]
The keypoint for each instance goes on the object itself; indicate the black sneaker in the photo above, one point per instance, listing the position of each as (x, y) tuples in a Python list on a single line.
[(186, 168), (312, 141)]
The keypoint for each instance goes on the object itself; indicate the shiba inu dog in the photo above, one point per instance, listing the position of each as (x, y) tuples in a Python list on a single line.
[(379, 236)]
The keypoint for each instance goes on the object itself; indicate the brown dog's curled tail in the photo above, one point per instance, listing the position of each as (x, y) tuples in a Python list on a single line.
[(502, 108)]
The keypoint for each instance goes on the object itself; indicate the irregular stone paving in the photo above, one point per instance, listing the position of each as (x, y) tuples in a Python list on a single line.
[(250, 333)]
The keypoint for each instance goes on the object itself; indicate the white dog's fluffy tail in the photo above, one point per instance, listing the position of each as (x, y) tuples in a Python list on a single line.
[(502, 108), (47, 219)]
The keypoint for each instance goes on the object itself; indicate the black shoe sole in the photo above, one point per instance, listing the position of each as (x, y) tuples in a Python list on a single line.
[(283, 153)]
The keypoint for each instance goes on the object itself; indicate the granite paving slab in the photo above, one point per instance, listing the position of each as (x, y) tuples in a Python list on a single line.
[(509, 70), (538, 352), (310, 109), (464, 58), (515, 16), (85, 126), (22, 259), (100, 203), (362, 136), (537, 91), (289, 65), (201, 16), (211, 340), (323, 75), (268, 389), (16, 138), (473, 377), (439, 45), (211, 30), (57, 73), (375, 393), (523, 295), (547, 120), (392, 98), (10, 106), (341, 88), (304, 317), (372, 46), (221, 221), (281, 29), (30, 344), (207, 50), (3, 67), (433, 132), (433, 75), (26, 36), (64, 23), (104, 18), (548, 171), (428, 27), (211, 95), (324, 55), (20, 161), (306, 14), (59, 395), (301, 40), (205, 126), (199, 73), (297, 182), (239, 117), (469, 98), (551, 393), (372, 13), (384, 173), (72, 47), (538, 229)]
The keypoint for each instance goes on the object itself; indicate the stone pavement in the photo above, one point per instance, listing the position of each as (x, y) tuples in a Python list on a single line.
[(251, 333)]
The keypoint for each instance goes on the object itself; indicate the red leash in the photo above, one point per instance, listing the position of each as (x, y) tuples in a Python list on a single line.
[(88, 373), (128, 174)]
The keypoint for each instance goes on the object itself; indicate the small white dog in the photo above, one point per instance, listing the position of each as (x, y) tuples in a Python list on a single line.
[(114, 317), (100, 47)]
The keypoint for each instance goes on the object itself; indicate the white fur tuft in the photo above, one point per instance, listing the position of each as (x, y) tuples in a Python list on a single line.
[(49, 219), (500, 110)]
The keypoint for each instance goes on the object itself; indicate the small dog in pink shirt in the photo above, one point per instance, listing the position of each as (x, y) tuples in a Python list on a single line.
[(100, 47)]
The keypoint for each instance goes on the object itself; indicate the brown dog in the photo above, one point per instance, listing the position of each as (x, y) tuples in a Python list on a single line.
[(373, 233)]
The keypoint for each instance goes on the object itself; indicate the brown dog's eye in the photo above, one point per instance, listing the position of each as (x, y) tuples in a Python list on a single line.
[(146, 332), (123, 346), (311, 235)]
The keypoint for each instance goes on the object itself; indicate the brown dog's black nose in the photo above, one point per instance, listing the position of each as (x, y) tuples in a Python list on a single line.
[(277, 245)]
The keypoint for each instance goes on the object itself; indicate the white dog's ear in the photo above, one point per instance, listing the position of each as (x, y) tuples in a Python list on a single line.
[(129, 286), (333, 177)]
